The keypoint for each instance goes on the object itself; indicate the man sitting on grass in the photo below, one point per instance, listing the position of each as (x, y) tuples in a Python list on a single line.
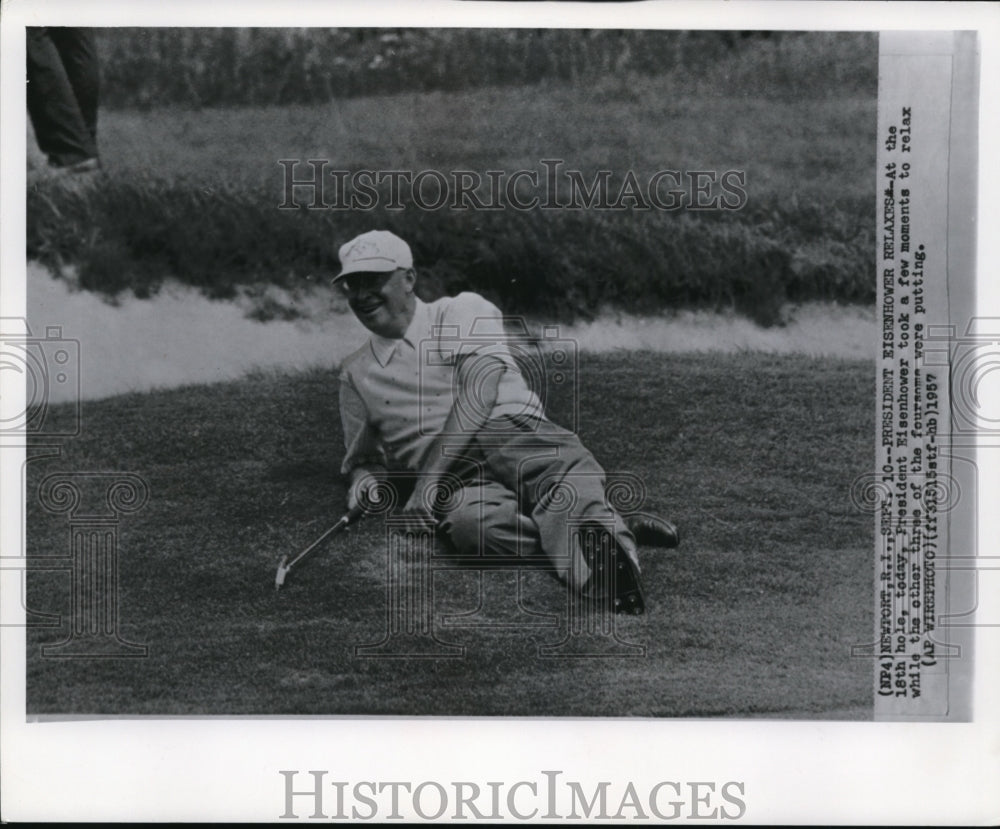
[(425, 397)]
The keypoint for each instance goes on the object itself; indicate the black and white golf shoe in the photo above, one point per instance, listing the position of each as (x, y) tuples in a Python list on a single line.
[(614, 576)]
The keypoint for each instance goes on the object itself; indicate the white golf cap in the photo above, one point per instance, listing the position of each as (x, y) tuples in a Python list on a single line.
[(374, 251)]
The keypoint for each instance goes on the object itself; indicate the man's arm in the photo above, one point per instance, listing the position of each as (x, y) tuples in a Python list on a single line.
[(364, 458), (475, 398)]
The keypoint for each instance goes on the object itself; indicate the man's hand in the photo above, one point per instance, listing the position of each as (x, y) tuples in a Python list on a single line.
[(416, 506), (361, 494)]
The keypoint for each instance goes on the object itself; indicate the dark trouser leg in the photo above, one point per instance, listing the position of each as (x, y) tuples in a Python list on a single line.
[(79, 56), (60, 128)]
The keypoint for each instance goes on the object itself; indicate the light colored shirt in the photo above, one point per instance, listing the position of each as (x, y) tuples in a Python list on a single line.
[(395, 395)]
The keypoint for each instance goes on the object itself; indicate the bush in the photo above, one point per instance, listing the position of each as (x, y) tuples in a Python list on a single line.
[(132, 234)]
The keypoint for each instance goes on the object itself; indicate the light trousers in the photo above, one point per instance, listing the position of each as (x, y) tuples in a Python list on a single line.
[(527, 485)]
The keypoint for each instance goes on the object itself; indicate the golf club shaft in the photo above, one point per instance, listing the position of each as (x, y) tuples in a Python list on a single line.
[(345, 519)]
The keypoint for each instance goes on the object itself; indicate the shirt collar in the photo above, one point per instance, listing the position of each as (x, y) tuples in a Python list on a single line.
[(419, 328)]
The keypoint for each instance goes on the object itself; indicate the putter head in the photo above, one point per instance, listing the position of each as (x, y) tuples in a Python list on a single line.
[(279, 577)]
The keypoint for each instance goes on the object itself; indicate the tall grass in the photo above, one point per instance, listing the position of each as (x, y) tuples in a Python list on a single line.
[(563, 264), (241, 66)]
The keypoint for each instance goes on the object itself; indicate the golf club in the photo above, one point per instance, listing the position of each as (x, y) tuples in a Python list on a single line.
[(285, 566)]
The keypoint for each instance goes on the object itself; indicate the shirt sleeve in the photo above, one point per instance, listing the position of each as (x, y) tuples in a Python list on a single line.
[(480, 326), (361, 442)]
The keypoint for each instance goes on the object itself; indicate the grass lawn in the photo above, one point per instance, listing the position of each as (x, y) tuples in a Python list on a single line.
[(754, 615), (810, 151)]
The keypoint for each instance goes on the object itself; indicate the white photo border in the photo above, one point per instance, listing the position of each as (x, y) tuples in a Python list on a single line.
[(227, 768)]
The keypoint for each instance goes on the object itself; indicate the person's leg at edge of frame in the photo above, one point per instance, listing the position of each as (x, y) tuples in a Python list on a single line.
[(60, 127), (79, 56)]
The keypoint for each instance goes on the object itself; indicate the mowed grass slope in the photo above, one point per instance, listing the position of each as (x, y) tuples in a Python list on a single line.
[(754, 615)]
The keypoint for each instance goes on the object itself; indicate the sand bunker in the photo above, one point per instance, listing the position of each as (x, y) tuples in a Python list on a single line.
[(180, 337)]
